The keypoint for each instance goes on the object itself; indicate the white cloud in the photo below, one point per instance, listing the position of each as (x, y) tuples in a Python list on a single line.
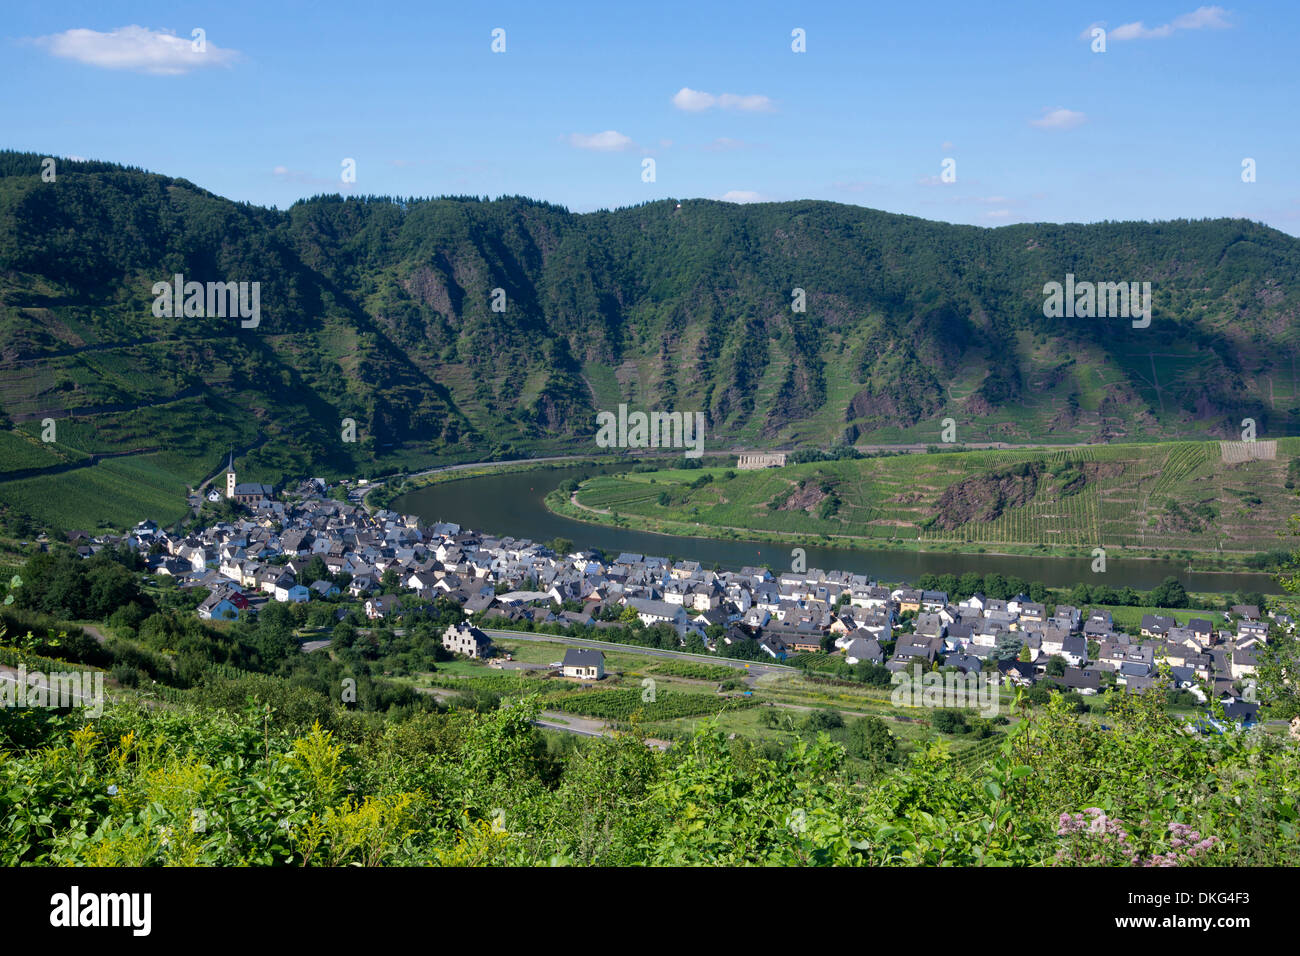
[(1059, 118), (997, 214), (136, 48), (695, 101), (1216, 18), (610, 141), (741, 196), (947, 146), (1138, 31), (1202, 18)]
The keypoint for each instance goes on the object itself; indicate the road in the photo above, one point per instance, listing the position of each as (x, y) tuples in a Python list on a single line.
[(93, 631), (555, 720)]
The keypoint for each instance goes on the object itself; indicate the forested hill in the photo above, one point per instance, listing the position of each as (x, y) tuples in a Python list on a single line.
[(381, 311)]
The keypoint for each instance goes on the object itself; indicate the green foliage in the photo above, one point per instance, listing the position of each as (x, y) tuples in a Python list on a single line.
[(871, 741), (622, 705), (819, 720), (248, 785), (61, 583), (1170, 593)]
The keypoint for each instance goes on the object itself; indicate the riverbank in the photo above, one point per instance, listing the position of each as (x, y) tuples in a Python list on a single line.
[(1184, 502), (513, 504), (568, 506), (381, 494)]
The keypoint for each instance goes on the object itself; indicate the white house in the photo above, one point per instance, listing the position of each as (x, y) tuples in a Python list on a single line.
[(293, 593), (583, 663), (468, 640), (657, 612)]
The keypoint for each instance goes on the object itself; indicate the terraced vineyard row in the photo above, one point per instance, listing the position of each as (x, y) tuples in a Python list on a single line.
[(620, 705)]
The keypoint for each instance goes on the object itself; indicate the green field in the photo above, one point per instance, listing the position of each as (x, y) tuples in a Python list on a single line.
[(1164, 497)]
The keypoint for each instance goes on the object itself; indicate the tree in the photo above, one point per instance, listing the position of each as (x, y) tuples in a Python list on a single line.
[(1056, 666), (871, 741), (1008, 647), (342, 635), (1080, 595), (64, 585), (948, 721), (1170, 593), (316, 570), (1103, 594), (818, 720)]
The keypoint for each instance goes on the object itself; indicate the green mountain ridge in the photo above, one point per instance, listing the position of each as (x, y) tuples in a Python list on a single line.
[(380, 310)]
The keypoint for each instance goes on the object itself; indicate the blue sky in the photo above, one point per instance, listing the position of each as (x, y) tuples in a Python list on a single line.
[(1040, 127)]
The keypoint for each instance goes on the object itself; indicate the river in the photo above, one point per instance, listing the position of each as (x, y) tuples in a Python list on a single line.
[(512, 504)]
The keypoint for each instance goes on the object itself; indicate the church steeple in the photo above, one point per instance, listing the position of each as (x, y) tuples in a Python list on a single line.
[(230, 475)]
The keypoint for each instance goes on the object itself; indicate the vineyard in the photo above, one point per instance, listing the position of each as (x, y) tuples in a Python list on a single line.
[(1171, 496), (695, 671), (620, 705), (512, 683)]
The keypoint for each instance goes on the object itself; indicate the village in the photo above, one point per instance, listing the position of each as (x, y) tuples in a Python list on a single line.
[(392, 568)]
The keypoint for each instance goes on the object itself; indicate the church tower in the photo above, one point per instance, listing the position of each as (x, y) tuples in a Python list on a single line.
[(230, 477)]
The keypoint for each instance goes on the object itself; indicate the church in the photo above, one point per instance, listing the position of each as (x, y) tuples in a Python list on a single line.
[(246, 493)]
